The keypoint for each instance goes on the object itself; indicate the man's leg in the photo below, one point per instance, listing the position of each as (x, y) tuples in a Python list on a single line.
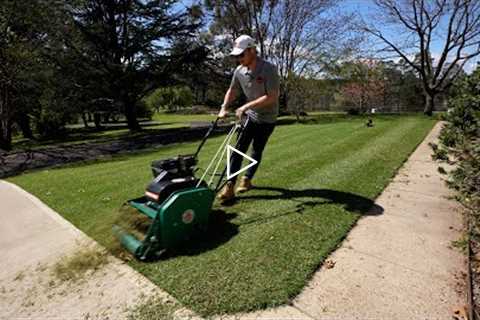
[(244, 140), (260, 139), (242, 145)]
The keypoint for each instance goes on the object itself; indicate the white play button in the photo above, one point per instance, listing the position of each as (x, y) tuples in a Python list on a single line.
[(231, 149)]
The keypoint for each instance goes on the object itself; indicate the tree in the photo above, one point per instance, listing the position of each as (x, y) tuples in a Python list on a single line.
[(365, 85), (300, 37), (170, 98), (128, 43), (22, 33), (454, 23), (311, 94), (201, 62)]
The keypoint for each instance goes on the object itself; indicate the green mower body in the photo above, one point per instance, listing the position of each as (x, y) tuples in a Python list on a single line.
[(183, 216)]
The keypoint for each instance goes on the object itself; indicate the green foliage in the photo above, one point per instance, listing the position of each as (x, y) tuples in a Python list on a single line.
[(52, 115), (129, 44), (170, 98), (50, 124), (23, 31), (143, 110), (460, 138)]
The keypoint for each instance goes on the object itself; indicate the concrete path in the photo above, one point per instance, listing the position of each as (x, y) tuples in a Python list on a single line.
[(32, 239), (397, 265)]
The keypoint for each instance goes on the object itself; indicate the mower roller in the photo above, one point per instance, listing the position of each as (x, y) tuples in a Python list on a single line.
[(177, 204)]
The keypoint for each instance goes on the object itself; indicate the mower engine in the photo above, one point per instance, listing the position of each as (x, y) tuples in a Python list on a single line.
[(171, 175)]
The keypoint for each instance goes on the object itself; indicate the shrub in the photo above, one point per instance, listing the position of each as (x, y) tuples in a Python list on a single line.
[(50, 125), (353, 111), (170, 98), (143, 110), (460, 139)]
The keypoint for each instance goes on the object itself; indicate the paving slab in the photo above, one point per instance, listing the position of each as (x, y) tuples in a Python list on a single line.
[(284, 312)]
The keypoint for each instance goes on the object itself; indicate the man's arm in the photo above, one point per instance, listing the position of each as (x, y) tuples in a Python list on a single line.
[(227, 100), (264, 101), (230, 95)]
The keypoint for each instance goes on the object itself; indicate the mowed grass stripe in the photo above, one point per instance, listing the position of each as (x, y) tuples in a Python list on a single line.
[(276, 169), (347, 166), (336, 170)]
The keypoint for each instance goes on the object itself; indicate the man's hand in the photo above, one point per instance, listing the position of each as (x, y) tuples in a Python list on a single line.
[(240, 111), (223, 113)]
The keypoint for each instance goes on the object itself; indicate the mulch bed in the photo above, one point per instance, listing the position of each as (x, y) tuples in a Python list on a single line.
[(16, 162)]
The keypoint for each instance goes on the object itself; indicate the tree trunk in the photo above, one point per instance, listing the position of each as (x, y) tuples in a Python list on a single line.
[(131, 115), (5, 134), (204, 94), (283, 99), (84, 119), (5, 120), (429, 104), (23, 121), (297, 113), (97, 119)]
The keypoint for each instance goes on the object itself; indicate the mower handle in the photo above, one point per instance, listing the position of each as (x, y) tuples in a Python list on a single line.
[(212, 127)]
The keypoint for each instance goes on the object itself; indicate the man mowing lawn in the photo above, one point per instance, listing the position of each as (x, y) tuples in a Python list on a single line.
[(258, 79)]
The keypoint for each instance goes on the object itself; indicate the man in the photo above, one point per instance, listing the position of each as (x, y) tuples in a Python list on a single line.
[(258, 79)]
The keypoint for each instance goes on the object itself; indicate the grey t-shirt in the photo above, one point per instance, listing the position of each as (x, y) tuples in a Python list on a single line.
[(257, 83)]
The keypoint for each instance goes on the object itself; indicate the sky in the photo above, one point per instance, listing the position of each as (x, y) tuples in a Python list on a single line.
[(366, 7)]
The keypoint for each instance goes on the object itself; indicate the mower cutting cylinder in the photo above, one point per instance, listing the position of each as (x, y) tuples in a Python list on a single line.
[(181, 217)]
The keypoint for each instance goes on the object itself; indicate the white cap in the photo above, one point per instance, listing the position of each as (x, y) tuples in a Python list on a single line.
[(241, 43)]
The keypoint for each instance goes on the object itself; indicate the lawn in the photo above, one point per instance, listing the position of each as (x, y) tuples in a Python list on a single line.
[(316, 180)]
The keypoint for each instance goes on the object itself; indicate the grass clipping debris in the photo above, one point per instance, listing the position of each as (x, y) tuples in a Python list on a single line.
[(155, 309), (75, 266)]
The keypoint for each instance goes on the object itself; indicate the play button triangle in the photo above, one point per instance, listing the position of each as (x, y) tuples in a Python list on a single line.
[(231, 149)]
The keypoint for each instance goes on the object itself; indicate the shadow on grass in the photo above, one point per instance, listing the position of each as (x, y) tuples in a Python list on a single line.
[(221, 230), (336, 118), (315, 119), (350, 202)]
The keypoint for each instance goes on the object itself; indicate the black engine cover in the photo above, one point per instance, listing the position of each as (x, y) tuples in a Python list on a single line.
[(178, 167), (158, 191)]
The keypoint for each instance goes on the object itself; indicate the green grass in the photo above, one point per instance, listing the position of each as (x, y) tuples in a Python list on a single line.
[(315, 181)]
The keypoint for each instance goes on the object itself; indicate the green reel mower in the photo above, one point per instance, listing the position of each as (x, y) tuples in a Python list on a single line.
[(176, 203)]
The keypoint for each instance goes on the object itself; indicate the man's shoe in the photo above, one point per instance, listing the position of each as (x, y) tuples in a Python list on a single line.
[(245, 185), (227, 193)]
